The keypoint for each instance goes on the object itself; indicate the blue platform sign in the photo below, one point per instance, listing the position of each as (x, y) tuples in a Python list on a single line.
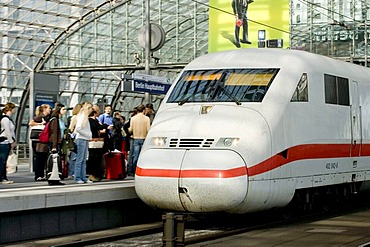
[(150, 87), (145, 84)]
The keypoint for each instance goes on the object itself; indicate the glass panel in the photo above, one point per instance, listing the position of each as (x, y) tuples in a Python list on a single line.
[(60, 36), (343, 91), (301, 91), (249, 79), (330, 89)]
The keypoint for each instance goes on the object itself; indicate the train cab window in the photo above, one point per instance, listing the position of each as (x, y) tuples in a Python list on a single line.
[(224, 85), (301, 91), (336, 90)]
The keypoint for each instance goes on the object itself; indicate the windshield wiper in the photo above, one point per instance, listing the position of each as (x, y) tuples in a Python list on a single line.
[(222, 87), (230, 95), (183, 101)]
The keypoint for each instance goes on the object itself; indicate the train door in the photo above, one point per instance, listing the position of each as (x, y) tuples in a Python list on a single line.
[(355, 114)]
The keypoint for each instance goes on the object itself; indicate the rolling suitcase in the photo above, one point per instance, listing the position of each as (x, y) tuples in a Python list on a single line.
[(64, 166), (115, 165)]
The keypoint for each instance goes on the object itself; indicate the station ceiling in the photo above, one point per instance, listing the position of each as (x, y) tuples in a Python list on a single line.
[(89, 44)]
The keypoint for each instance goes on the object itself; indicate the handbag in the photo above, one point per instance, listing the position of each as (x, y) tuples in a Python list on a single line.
[(35, 131), (12, 163), (70, 142), (96, 143), (42, 147)]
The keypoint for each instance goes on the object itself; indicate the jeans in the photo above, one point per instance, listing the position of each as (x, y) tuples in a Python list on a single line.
[(72, 163), (80, 165), (130, 157), (4, 153), (138, 144)]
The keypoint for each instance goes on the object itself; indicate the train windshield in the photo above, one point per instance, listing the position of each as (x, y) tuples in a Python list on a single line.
[(225, 85)]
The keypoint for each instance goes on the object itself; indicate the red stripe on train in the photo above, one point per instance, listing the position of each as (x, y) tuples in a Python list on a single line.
[(168, 173), (301, 152)]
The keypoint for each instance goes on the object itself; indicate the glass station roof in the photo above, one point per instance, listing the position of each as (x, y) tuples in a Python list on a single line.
[(89, 44)]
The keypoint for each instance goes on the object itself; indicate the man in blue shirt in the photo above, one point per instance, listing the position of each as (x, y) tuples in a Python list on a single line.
[(106, 118)]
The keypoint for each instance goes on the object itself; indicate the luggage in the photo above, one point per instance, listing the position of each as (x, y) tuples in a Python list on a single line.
[(12, 163), (96, 143), (64, 169), (115, 167), (35, 132), (53, 166)]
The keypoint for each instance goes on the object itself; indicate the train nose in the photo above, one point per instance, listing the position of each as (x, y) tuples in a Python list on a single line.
[(191, 180)]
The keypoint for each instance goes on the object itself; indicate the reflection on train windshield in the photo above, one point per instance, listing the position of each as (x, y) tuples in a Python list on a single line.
[(225, 85)]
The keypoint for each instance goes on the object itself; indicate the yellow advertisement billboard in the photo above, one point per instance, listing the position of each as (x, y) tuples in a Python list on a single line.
[(235, 24)]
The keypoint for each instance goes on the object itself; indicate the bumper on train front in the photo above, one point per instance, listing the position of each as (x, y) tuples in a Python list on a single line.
[(191, 180)]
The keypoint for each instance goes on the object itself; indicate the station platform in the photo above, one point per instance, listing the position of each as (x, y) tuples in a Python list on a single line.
[(27, 194), (33, 209)]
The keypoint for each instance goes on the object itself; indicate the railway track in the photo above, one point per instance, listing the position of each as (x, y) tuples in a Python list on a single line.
[(274, 218)]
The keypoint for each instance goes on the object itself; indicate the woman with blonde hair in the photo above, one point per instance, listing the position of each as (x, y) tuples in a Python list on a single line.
[(42, 115), (7, 140), (73, 119), (41, 150), (71, 128), (83, 135)]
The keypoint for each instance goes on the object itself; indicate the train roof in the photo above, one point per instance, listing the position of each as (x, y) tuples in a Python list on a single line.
[(274, 58)]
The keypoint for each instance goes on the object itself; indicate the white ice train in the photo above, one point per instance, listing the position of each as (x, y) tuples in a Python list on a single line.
[(253, 129)]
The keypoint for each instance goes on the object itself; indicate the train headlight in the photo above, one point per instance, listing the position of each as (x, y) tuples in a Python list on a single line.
[(205, 109), (228, 142), (158, 141)]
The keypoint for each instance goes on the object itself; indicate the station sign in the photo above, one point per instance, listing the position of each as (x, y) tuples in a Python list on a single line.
[(143, 83), (45, 98), (44, 89)]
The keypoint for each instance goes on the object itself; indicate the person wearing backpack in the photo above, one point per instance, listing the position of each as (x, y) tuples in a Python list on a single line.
[(56, 131), (7, 140), (41, 150), (117, 131)]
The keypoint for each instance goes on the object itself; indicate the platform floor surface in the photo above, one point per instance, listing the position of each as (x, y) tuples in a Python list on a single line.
[(350, 230), (27, 194), (25, 178)]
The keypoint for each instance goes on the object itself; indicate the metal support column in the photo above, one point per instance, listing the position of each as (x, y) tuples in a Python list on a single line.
[(173, 230), (147, 45), (365, 38)]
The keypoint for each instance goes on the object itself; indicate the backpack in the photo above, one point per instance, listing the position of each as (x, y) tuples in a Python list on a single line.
[(3, 138), (44, 135)]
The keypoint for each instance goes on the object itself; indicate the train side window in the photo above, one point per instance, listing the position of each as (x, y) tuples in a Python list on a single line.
[(336, 90), (301, 91), (343, 91), (330, 89)]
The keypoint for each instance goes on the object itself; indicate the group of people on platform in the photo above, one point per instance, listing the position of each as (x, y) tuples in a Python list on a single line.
[(71, 139)]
